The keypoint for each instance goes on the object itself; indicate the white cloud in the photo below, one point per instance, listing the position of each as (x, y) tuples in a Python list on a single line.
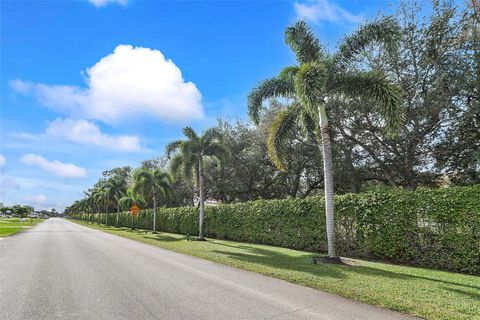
[(37, 199), (85, 132), (325, 10), (3, 160), (102, 3), (130, 82), (61, 169)]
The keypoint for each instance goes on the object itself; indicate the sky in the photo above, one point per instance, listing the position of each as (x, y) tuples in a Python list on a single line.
[(90, 85)]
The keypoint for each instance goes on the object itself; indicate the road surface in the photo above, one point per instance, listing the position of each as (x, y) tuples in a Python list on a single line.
[(60, 270)]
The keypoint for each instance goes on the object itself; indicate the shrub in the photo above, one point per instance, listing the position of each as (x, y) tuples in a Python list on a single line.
[(434, 228)]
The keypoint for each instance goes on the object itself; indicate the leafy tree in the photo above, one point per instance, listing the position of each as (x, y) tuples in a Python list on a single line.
[(436, 70), (190, 157), (317, 78), (155, 184)]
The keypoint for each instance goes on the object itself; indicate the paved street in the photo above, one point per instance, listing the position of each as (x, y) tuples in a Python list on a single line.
[(60, 270)]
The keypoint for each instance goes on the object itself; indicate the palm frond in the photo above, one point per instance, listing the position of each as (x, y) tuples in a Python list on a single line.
[(384, 32), (211, 134), (172, 147), (303, 42), (176, 164), (267, 89), (219, 151), (309, 84), (278, 134), (190, 133), (386, 96)]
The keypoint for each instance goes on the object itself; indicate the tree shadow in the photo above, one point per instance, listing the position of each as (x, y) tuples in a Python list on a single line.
[(278, 260), (473, 295), (164, 237), (304, 263), (404, 276)]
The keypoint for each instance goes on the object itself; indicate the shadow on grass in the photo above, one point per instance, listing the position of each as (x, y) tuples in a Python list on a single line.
[(280, 260), (166, 238), (304, 263), (472, 295)]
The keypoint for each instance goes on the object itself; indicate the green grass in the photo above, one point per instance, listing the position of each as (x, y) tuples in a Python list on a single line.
[(9, 226), (426, 293)]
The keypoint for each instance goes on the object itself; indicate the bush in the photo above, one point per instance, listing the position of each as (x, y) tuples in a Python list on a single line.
[(433, 228)]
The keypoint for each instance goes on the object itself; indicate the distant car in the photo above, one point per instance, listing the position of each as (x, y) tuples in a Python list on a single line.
[(45, 217)]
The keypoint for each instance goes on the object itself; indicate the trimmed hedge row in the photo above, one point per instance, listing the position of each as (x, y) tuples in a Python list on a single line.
[(433, 228)]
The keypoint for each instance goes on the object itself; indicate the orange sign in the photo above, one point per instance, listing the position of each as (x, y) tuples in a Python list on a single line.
[(134, 210)]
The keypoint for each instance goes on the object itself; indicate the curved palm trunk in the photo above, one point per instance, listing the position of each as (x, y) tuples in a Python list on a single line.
[(328, 181), (202, 199), (154, 213)]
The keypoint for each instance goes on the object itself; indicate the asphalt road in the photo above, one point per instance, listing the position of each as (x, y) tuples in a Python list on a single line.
[(60, 270)]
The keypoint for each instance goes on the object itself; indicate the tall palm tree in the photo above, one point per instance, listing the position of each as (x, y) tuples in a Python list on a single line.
[(97, 195), (117, 187), (318, 77), (129, 199), (90, 202), (189, 158), (106, 198), (155, 184)]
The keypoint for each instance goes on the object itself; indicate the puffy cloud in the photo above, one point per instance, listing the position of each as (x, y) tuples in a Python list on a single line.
[(3, 160), (61, 169), (324, 10), (85, 132), (103, 3), (130, 82)]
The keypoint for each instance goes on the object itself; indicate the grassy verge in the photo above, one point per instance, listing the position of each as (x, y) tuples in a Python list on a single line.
[(425, 293), (9, 226)]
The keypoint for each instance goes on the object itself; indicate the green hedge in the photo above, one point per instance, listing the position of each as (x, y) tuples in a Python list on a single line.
[(433, 228)]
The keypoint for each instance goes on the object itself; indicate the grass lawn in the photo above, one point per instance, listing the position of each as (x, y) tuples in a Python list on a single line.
[(9, 226), (426, 293)]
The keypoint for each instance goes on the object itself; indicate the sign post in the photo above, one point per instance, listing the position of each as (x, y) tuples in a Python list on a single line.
[(134, 214)]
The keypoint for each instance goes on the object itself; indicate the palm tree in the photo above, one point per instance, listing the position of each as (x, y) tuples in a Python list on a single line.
[(90, 202), (105, 198), (153, 183), (189, 160), (117, 187), (129, 199), (97, 195), (319, 77)]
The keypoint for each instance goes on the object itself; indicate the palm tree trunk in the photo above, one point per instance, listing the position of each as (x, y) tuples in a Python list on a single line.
[(98, 215), (328, 181), (118, 213), (106, 216), (154, 213), (202, 199)]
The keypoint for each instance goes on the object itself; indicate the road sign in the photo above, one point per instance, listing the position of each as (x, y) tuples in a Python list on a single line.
[(134, 210)]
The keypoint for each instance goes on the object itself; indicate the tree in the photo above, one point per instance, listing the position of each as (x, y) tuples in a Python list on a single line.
[(437, 71), (117, 186), (317, 78), (97, 195), (155, 184), (129, 199), (190, 157), (105, 198)]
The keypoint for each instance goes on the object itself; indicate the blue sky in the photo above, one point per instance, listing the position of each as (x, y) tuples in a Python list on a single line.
[(90, 85)]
